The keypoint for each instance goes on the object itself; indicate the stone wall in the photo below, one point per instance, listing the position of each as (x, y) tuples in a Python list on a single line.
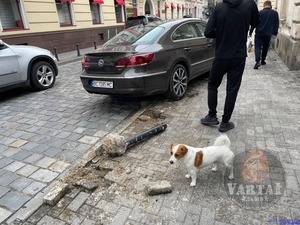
[(287, 44)]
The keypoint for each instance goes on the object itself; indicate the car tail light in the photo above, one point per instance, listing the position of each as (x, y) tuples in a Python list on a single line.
[(135, 60), (85, 63)]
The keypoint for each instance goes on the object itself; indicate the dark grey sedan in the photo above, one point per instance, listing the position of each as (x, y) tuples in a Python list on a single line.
[(161, 57)]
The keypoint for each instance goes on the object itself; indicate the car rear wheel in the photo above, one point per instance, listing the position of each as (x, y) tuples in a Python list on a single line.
[(178, 83), (42, 76)]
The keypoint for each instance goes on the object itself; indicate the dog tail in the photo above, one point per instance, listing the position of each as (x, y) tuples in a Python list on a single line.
[(222, 140)]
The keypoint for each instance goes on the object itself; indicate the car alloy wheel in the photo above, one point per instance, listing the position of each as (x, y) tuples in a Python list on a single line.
[(178, 83), (42, 76)]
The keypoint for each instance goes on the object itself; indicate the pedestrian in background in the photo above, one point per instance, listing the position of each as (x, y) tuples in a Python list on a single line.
[(268, 27), (229, 25)]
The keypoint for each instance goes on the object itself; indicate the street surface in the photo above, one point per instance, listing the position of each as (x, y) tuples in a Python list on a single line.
[(42, 134)]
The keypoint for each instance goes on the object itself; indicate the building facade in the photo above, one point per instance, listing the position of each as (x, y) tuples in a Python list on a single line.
[(65, 25), (287, 44)]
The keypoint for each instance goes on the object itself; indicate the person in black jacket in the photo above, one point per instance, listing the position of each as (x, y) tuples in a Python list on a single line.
[(268, 27), (229, 25)]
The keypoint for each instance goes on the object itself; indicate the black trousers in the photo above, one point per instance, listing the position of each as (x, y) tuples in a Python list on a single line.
[(262, 44), (234, 69)]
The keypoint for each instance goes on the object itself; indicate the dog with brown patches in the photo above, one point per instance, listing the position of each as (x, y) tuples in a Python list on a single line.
[(196, 158)]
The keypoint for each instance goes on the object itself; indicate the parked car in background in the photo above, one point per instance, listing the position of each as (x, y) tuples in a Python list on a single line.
[(26, 66), (161, 57), (136, 20)]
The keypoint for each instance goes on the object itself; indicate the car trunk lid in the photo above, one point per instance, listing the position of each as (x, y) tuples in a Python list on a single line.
[(104, 59)]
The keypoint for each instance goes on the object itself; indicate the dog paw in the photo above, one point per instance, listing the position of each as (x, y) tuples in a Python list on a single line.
[(230, 177), (193, 184), (214, 169), (187, 176)]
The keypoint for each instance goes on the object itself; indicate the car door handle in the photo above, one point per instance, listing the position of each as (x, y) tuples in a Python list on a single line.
[(187, 49), (209, 45)]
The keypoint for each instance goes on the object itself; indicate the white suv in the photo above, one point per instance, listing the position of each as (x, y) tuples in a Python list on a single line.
[(22, 65)]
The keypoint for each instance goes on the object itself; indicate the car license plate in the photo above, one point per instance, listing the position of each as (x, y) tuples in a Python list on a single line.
[(102, 84)]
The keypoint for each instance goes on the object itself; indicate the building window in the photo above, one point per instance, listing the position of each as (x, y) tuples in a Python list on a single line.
[(119, 9), (158, 9), (10, 15), (178, 10), (134, 5), (96, 10), (65, 12), (166, 10), (172, 10)]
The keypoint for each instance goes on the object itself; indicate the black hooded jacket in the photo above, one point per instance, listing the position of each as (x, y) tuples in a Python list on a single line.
[(229, 25)]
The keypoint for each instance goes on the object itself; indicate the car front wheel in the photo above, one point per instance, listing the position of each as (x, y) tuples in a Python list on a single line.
[(178, 83), (42, 76)]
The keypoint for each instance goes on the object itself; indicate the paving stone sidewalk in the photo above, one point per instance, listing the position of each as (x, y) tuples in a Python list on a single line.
[(266, 117)]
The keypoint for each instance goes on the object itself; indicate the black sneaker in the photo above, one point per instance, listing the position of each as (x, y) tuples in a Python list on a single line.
[(226, 126), (208, 120), (263, 62), (257, 64)]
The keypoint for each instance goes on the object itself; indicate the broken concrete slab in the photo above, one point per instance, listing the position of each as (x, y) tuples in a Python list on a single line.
[(56, 193), (159, 187), (88, 185)]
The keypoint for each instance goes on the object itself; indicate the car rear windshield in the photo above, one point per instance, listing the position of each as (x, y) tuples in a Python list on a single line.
[(137, 35)]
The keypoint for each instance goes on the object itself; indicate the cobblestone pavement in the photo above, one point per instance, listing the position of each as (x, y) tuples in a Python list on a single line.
[(43, 133), (266, 117)]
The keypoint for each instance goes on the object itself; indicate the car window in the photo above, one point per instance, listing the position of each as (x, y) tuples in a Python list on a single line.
[(137, 34), (201, 28), (185, 31), (150, 37)]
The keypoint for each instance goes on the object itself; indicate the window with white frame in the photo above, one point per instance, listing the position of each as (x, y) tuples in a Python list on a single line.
[(119, 9), (96, 10), (65, 12), (10, 14)]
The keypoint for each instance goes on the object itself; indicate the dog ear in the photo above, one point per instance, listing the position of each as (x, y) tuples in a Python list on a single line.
[(183, 149), (198, 159), (172, 145)]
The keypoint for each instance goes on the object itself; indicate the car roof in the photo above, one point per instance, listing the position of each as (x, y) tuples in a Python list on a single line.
[(141, 17), (170, 23)]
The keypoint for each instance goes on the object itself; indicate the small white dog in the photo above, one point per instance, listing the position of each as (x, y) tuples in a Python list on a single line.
[(195, 158)]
